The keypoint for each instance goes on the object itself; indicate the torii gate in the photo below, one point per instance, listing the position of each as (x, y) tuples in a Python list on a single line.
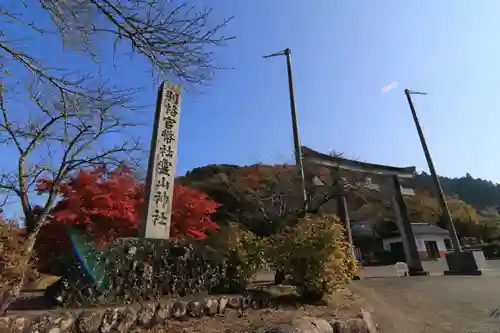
[(388, 180)]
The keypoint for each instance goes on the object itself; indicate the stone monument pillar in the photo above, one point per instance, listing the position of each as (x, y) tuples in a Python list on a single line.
[(159, 188)]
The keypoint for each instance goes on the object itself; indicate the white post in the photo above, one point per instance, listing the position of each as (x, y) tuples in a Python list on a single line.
[(159, 187)]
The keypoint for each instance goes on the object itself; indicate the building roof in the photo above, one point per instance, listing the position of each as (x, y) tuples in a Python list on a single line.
[(427, 229), (365, 229)]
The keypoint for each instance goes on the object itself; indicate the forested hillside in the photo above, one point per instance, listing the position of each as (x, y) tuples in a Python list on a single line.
[(477, 192), (263, 197)]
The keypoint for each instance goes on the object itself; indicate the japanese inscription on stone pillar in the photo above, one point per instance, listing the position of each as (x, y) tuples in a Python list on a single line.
[(161, 170)]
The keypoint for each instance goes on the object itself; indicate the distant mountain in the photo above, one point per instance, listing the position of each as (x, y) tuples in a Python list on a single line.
[(477, 192)]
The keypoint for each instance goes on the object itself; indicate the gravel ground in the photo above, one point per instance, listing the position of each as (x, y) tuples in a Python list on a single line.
[(432, 304)]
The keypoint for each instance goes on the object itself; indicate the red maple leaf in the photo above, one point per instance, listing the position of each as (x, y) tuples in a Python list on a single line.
[(106, 204)]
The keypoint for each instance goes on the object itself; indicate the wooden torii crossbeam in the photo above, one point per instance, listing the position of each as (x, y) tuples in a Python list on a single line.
[(393, 175), (314, 157)]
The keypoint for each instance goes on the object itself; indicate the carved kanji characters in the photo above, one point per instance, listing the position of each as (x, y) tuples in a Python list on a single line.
[(169, 95), (172, 96), (168, 136), (164, 166), (161, 197), (169, 122), (163, 182), (159, 218), (166, 151), (172, 110)]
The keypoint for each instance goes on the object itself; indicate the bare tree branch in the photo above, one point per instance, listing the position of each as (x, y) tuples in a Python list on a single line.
[(53, 138), (177, 39), (64, 135)]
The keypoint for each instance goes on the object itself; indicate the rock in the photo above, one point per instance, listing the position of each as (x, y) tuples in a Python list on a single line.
[(163, 312), (312, 325), (5, 323), (245, 302), (88, 322), (211, 306), (41, 324), (109, 320), (179, 310), (195, 309), (255, 304), (17, 325), (146, 314), (66, 321), (126, 319), (357, 325), (222, 304), (131, 251), (367, 317), (234, 302), (338, 326)]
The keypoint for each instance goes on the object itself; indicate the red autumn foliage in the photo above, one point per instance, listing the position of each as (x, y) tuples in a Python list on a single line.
[(107, 203)]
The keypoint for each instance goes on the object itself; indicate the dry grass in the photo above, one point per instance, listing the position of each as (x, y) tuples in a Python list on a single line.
[(343, 304)]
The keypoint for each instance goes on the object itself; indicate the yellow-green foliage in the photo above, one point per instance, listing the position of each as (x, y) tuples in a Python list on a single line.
[(13, 263), (244, 253), (316, 255)]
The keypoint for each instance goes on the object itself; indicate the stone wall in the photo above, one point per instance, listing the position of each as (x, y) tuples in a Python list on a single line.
[(137, 317), (131, 270)]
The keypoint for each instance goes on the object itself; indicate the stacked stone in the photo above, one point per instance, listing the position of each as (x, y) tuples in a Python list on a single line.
[(133, 317), (142, 269), (136, 318)]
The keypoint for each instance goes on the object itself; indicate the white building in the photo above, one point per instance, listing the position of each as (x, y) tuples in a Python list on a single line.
[(432, 241)]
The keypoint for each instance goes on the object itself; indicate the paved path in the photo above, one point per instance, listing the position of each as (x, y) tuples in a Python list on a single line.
[(435, 303), (432, 304), (492, 267)]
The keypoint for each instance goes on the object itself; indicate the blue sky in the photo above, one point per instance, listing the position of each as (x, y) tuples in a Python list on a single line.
[(343, 54)]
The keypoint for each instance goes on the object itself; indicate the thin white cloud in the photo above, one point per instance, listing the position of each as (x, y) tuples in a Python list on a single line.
[(390, 86)]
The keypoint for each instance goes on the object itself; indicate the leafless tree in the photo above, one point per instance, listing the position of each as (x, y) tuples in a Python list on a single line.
[(52, 137), (176, 38)]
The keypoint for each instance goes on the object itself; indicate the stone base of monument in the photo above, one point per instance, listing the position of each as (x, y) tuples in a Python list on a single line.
[(461, 263), (417, 272)]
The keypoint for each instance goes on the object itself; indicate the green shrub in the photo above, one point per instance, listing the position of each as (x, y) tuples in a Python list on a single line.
[(316, 256), (491, 250), (244, 254)]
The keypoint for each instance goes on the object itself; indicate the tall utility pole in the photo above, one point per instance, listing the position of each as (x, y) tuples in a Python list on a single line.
[(296, 140), (435, 179)]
